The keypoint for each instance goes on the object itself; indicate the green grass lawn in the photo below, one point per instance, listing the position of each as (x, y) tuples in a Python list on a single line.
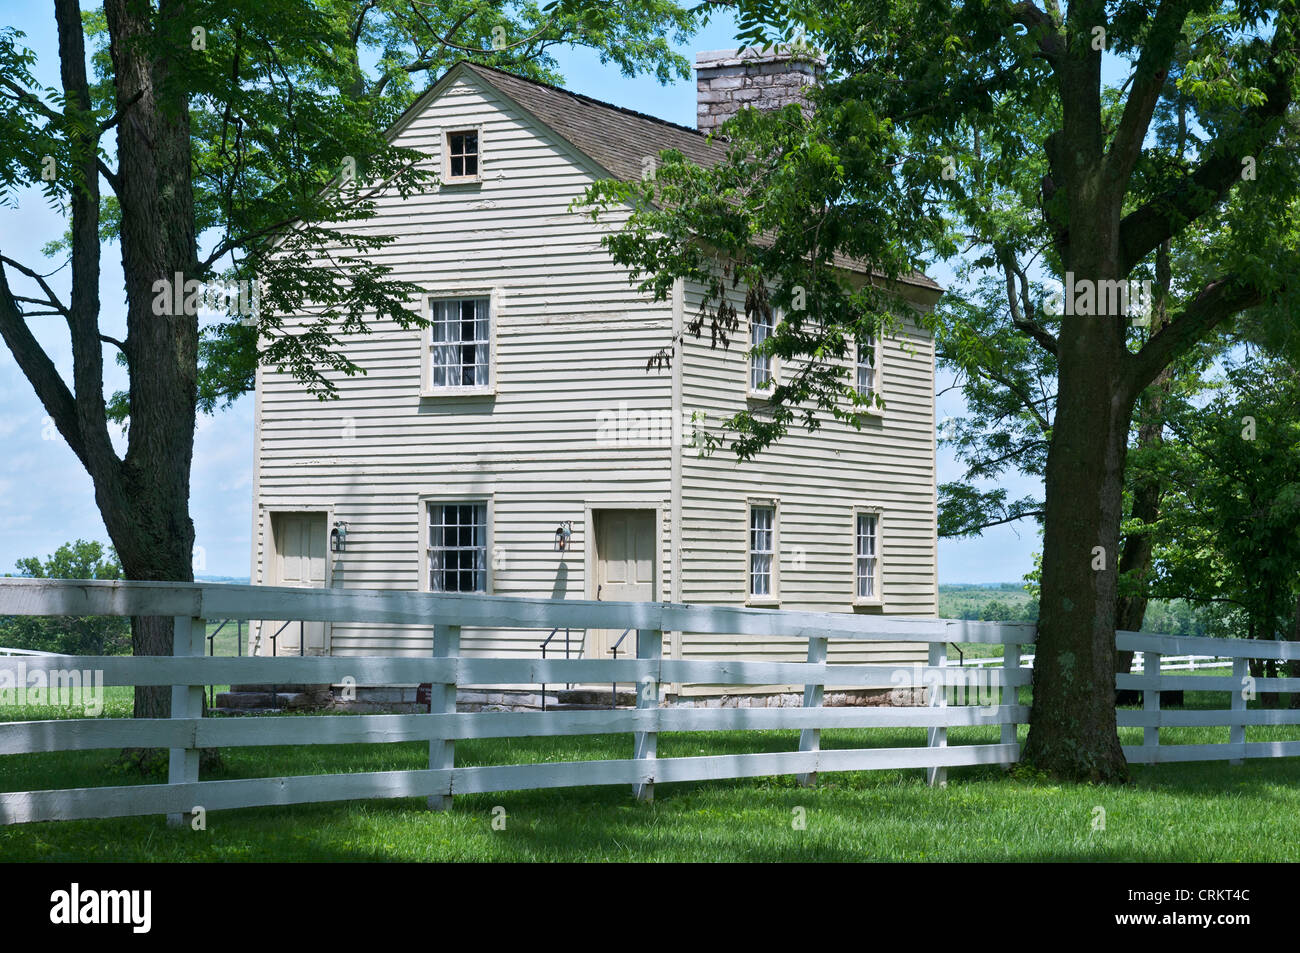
[(1183, 812)]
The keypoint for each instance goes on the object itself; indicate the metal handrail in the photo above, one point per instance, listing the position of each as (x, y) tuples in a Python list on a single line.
[(566, 655), (239, 649), (275, 694), (613, 688)]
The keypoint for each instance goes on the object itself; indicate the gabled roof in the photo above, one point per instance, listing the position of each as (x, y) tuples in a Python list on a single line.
[(616, 139)]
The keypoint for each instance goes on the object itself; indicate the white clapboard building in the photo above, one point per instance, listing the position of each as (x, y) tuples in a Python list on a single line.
[(520, 447)]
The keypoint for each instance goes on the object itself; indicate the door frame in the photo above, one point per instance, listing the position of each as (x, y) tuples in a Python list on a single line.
[(646, 504), (591, 508), (271, 556)]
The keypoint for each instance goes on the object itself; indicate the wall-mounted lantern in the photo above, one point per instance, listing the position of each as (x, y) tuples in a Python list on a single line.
[(339, 536), (563, 533)]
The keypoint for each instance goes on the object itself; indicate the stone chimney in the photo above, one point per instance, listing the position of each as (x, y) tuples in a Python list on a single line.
[(727, 80)]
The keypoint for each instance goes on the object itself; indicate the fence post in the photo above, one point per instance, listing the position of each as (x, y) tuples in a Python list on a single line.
[(937, 737), (187, 702), (1151, 702), (1011, 695), (442, 701), (645, 747), (1237, 732), (810, 739)]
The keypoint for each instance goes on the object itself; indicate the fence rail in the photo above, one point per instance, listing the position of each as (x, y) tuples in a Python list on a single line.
[(939, 683), (1240, 684)]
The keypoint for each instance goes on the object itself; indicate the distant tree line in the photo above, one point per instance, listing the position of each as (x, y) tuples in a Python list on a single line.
[(1167, 617), (84, 635)]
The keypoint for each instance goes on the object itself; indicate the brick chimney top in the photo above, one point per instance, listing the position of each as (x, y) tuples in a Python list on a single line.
[(728, 80)]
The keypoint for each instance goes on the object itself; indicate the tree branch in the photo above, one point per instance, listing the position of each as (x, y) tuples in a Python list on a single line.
[(113, 120), (1019, 317), (50, 297), (25, 96), (109, 175), (97, 452), (1051, 41), (1043, 424), (1217, 301), (1149, 82), (39, 370), (1037, 514), (1145, 228)]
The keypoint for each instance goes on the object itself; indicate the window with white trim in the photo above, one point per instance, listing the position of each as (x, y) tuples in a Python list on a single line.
[(762, 552), (460, 348), (457, 546), (760, 365), (462, 155), (867, 548), (868, 380)]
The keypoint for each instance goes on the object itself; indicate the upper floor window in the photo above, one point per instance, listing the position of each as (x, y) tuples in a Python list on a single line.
[(760, 365), (762, 552), (457, 547), (460, 350), (462, 150), (868, 380)]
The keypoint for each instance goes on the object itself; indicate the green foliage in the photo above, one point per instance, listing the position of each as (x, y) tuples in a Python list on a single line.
[(290, 101), (1229, 533), (70, 635), (939, 134)]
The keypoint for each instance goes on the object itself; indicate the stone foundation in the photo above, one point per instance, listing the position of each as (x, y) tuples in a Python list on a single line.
[(858, 698), (399, 700)]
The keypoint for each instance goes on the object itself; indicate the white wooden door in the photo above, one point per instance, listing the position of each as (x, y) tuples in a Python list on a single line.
[(624, 571), (300, 554)]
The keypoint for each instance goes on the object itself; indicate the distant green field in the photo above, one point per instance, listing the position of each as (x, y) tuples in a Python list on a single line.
[(1010, 602), (974, 601)]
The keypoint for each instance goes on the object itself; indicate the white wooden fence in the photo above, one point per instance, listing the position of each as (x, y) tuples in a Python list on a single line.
[(1169, 663), (186, 732), (1153, 681)]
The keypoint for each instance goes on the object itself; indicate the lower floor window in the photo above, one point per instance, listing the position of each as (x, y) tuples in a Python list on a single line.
[(457, 549), (761, 549), (868, 585)]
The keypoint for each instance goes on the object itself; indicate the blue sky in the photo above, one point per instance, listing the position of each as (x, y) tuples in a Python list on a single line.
[(46, 497)]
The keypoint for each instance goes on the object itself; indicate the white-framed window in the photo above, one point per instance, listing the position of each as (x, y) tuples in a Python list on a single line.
[(464, 155), (867, 372), (460, 344), (866, 556), (763, 564), (456, 545), (762, 370), (868, 363)]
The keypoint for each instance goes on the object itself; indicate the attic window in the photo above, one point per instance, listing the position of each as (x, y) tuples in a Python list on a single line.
[(462, 156)]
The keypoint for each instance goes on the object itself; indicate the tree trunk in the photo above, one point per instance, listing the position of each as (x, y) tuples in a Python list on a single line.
[(1136, 550), (1072, 732), (147, 512), (1293, 666), (1072, 729)]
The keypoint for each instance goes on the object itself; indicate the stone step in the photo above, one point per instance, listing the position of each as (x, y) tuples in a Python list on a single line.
[(247, 700), (280, 688), (594, 698), (562, 706)]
